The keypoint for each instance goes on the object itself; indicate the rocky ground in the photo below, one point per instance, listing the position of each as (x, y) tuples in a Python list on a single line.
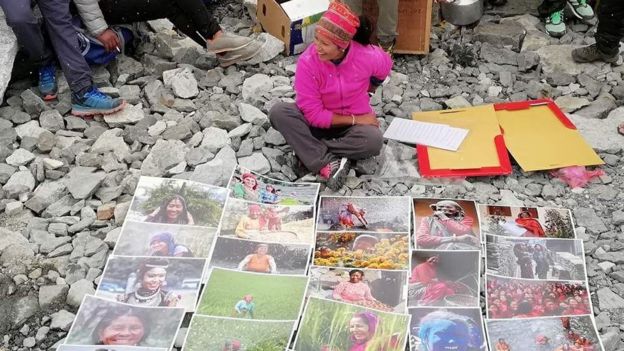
[(67, 182)]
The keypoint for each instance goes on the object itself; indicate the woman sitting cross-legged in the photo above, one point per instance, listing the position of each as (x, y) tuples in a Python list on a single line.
[(332, 120)]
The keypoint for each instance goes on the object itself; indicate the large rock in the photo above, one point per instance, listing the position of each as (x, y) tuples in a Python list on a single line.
[(50, 295), (509, 33), (62, 320), (129, 115), (601, 134), (112, 140), (500, 56), (82, 182), (11, 238), (51, 120), (558, 58), (251, 114), (215, 139), (164, 155), (29, 129), (569, 103), (78, 290), (20, 182), (608, 300), (8, 50), (256, 162), (598, 108), (587, 217), (218, 170), (182, 81), (32, 103), (20, 157), (46, 194), (255, 86)]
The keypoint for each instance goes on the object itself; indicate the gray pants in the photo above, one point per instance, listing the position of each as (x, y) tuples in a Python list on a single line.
[(316, 147), (387, 20), (63, 37)]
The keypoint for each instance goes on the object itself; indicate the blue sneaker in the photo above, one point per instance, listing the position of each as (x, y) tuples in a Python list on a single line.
[(94, 102), (47, 82)]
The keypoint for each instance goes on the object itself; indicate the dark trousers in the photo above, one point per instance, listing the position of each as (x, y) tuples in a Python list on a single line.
[(189, 16), (549, 6), (316, 147), (610, 26), (62, 36)]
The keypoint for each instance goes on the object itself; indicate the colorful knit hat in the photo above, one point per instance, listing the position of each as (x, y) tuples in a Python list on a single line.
[(338, 24)]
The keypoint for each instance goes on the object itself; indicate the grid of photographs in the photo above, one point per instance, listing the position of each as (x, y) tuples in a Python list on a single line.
[(535, 281), (256, 280)]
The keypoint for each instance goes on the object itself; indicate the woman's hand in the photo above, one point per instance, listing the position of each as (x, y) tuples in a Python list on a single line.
[(154, 213), (367, 120)]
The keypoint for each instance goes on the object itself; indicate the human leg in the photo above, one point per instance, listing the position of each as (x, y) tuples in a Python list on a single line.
[(610, 32), (387, 22), (357, 142), (552, 12), (355, 6)]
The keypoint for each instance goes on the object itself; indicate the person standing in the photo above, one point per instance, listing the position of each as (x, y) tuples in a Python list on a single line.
[(552, 11), (386, 20), (610, 33), (87, 100)]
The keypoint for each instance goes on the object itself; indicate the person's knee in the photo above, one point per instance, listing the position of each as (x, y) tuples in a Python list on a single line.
[(372, 140), (20, 17), (278, 113)]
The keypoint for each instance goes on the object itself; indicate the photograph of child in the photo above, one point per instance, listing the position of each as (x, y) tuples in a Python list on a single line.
[(333, 325), (177, 201), (361, 250), (443, 224), (152, 281), (376, 289), (273, 223), (576, 333), (537, 258), (527, 222), (227, 334), (438, 329), (251, 186), (245, 295), (156, 239), (259, 257), (444, 278), (65, 347), (104, 322), (364, 214), (517, 298)]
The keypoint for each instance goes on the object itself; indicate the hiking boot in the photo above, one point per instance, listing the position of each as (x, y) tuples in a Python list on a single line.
[(555, 24), (227, 42), (94, 102), (240, 55), (47, 82), (335, 173), (591, 53), (388, 46), (580, 9)]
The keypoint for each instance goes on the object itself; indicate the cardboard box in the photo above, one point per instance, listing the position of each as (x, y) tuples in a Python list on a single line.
[(293, 22), (414, 24)]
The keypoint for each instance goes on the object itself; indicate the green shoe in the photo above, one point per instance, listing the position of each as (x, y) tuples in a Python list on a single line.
[(580, 9), (555, 24)]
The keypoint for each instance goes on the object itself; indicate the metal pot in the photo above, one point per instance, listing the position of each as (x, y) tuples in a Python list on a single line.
[(462, 12)]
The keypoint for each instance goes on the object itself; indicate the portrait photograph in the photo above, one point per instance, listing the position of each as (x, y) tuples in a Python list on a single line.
[(251, 186), (177, 201), (371, 288), (334, 325), (65, 347), (364, 214), (535, 258), (273, 223), (245, 295), (106, 322), (362, 250), (260, 257), (445, 224), (218, 334), (521, 298), (170, 240), (548, 333), (152, 281), (443, 328), (444, 278), (527, 222)]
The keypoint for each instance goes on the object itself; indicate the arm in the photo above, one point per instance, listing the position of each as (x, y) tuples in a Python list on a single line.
[(238, 306), (423, 237), (190, 219), (338, 290), (273, 267), (243, 263), (92, 16), (368, 296), (381, 63), (463, 227), (241, 230)]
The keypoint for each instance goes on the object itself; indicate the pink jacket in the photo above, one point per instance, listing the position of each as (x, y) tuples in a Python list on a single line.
[(324, 88)]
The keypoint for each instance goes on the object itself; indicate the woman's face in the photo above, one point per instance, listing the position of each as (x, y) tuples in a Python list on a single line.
[(262, 250), (327, 50), (249, 182), (154, 278), (447, 335), (524, 215), (124, 330), (355, 277), (159, 247), (174, 209), (359, 330)]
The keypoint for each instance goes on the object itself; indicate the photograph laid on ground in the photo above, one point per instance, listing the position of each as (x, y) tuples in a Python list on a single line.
[(371, 288), (519, 298), (273, 223), (251, 186), (104, 322), (444, 224), (537, 258), (229, 334), (528, 222), (247, 295), (362, 250), (333, 325), (439, 329), (64, 347), (152, 281), (177, 201), (444, 278), (551, 333), (260, 257), (156, 239), (364, 214)]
